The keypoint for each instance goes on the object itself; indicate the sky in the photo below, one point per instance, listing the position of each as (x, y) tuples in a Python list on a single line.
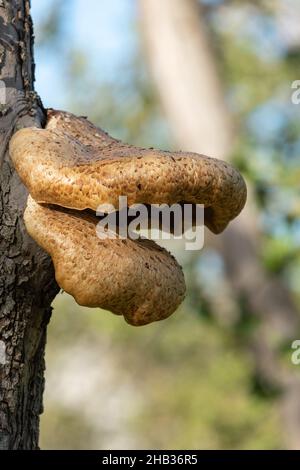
[(104, 31), (107, 33)]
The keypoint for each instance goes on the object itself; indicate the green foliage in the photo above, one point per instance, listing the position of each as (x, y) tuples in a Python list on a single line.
[(193, 384), (190, 379)]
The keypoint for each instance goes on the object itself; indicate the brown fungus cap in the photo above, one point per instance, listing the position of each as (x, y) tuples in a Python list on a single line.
[(137, 279), (74, 164), (71, 165)]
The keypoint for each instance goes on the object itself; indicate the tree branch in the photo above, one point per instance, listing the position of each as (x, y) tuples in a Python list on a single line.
[(27, 284)]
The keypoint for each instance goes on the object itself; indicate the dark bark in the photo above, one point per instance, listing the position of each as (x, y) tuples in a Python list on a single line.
[(27, 284)]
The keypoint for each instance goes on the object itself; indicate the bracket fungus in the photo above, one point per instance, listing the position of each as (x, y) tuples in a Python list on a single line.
[(70, 168)]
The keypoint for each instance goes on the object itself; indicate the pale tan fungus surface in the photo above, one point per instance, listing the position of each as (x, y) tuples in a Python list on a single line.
[(135, 278), (72, 165)]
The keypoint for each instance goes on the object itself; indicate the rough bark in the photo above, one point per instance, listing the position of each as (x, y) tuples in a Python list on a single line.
[(190, 88), (27, 284)]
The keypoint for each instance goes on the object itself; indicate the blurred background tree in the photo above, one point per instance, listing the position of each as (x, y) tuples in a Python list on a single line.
[(212, 76)]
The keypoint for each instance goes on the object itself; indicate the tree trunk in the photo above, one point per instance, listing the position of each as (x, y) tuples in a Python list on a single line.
[(190, 87), (27, 284)]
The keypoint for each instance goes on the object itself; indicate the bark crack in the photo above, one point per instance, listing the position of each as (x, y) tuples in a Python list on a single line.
[(27, 284)]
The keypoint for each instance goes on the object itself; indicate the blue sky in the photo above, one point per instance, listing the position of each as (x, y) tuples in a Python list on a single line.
[(104, 30)]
